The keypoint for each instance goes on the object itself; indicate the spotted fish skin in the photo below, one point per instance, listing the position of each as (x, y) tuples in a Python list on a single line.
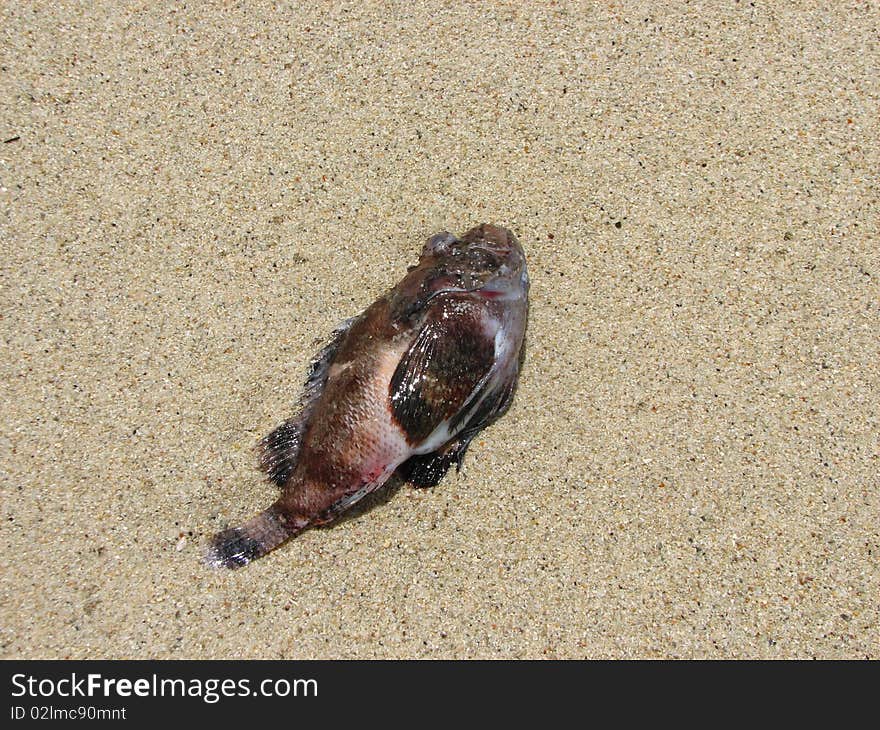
[(403, 387)]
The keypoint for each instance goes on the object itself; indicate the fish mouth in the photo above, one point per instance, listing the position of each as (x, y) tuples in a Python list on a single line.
[(503, 288), (484, 291)]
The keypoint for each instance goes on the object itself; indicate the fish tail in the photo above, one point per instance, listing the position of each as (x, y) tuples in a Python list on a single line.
[(238, 546)]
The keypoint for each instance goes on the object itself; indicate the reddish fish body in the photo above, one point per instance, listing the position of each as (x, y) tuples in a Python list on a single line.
[(402, 387)]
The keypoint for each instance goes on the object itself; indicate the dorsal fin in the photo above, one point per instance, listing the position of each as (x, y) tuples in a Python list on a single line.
[(279, 450)]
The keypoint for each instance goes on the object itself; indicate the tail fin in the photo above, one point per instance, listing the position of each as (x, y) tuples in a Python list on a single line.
[(238, 546)]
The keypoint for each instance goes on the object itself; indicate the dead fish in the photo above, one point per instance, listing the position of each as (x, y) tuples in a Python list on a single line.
[(403, 387)]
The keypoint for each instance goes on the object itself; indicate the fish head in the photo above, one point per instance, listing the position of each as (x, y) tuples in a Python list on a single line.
[(486, 261), (496, 261)]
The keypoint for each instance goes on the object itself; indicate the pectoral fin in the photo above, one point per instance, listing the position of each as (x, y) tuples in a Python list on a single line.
[(448, 361)]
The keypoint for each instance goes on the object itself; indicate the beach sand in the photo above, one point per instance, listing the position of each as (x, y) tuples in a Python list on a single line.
[(191, 200)]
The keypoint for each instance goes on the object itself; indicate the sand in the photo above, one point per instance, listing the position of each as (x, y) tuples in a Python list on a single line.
[(191, 200)]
